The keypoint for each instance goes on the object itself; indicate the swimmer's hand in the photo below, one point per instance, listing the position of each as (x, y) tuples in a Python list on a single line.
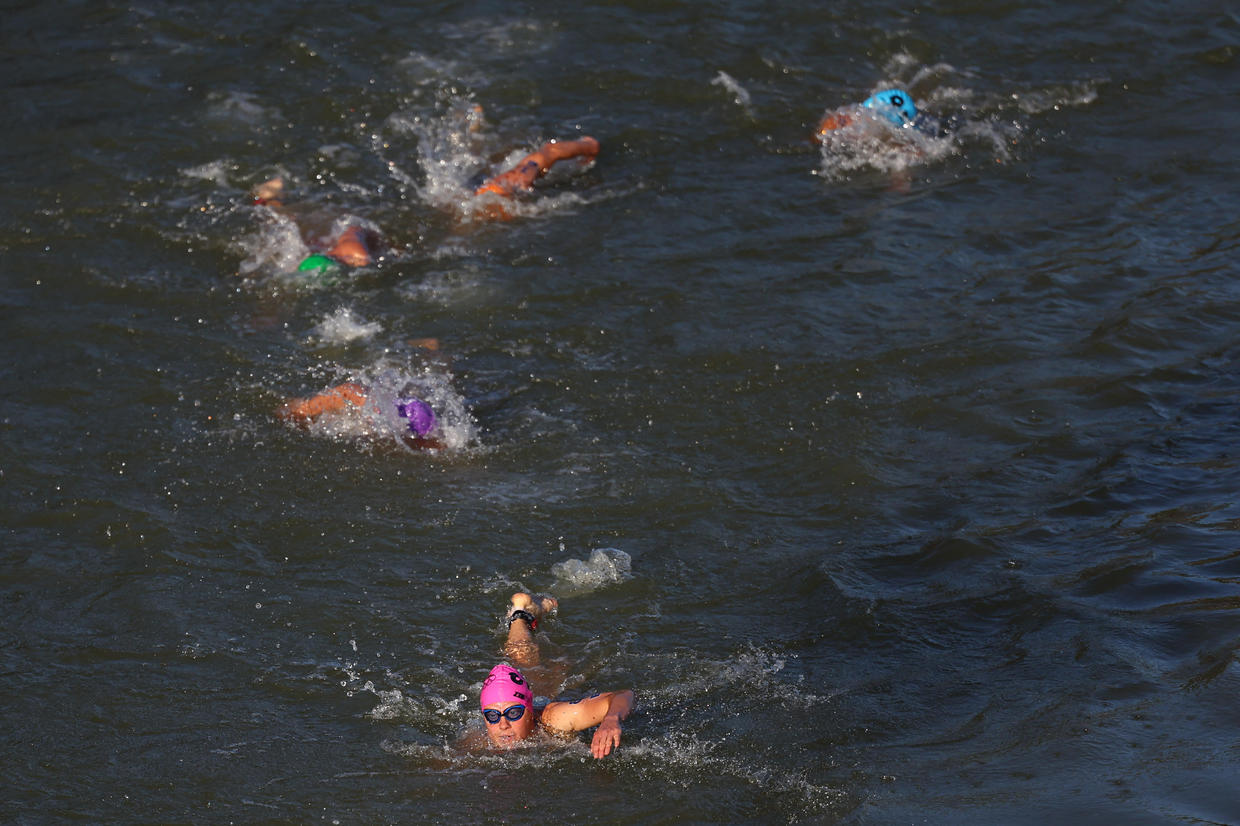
[(603, 710), (606, 737)]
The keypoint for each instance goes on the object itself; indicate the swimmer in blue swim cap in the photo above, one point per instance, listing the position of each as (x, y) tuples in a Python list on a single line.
[(896, 106)]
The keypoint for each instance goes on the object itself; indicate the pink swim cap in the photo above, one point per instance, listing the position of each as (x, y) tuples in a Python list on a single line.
[(505, 685)]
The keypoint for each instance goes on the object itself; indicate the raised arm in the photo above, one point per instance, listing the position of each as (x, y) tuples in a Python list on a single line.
[(604, 710), (523, 615)]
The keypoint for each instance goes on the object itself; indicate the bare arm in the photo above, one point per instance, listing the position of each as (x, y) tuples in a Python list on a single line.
[(521, 646), (604, 710), (831, 121), (535, 165), (304, 411)]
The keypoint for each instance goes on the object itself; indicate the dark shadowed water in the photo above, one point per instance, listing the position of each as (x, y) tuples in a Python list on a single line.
[(899, 478)]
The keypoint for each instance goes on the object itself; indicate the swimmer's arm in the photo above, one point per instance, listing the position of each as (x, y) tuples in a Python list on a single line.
[(304, 411), (833, 120), (535, 165), (603, 710), (556, 151)]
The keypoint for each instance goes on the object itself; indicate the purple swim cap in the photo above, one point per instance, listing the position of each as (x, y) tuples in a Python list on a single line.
[(505, 685), (419, 414)]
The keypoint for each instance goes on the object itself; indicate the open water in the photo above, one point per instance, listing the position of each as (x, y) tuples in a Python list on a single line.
[(899, 478)]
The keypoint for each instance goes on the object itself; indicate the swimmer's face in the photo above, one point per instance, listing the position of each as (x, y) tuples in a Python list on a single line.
[(507, 733)]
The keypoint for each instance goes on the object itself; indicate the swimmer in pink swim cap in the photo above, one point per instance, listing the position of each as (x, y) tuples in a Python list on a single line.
[(507, 700)]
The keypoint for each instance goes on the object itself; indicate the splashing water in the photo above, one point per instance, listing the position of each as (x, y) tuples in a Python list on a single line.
[(449, 153), (344, 326), (605, 566), (277, 246), (870, 142), (739, 94)]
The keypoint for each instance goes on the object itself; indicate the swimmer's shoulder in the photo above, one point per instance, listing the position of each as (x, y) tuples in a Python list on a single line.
[(546, 723)]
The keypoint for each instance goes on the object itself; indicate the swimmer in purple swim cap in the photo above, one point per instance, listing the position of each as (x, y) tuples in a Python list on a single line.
[(507, 699), (418, 415)]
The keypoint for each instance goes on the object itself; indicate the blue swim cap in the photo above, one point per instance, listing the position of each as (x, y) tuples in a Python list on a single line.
[(421, 417), (896, 105)]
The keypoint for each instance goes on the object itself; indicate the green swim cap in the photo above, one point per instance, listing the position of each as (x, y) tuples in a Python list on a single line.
[(320, 263)]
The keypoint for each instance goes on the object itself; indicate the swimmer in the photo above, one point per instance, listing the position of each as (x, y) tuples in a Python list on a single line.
[(353, 247), (507, 700), (892, 105), (419, 415)]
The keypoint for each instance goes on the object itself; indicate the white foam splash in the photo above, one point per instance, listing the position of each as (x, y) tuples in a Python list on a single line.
[(239, 107), (688, 754), (870, 141), (729, 83), (344, 326), (215, 172), (277, 246), (604, 567), (284, 239), (393, 705)]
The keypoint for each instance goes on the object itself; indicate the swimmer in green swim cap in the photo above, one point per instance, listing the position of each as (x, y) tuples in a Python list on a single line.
[(355, 246), (350, 248)]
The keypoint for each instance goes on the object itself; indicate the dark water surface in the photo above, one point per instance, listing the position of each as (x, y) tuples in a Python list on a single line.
[(899, 481)]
